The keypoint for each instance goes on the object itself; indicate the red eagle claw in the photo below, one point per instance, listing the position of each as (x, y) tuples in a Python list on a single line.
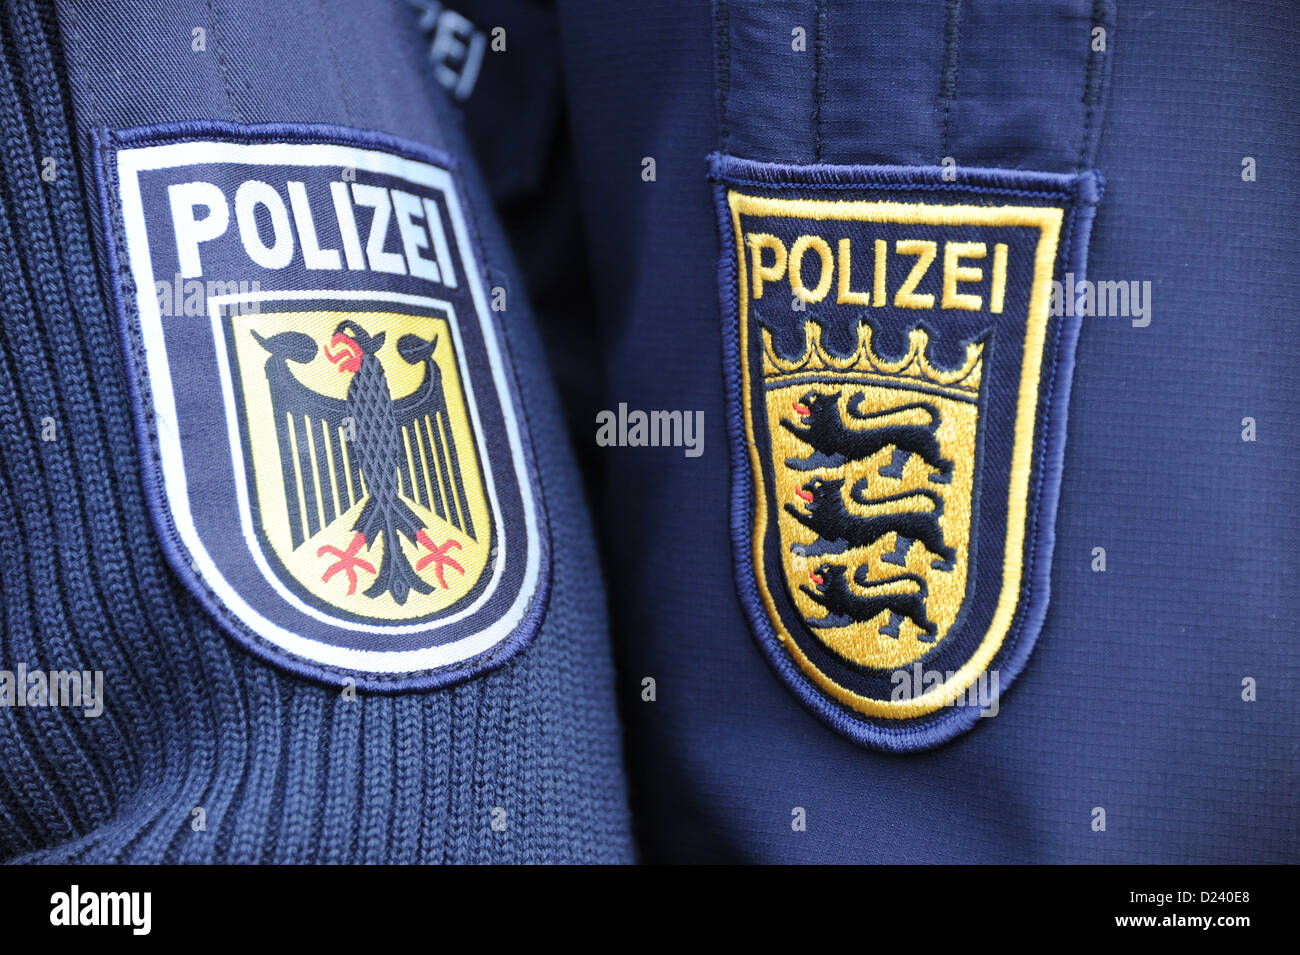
[(438, 554), (348, 561)]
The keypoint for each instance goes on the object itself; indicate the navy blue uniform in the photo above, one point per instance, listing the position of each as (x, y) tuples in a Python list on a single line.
[(1133, 698), (927, 369)]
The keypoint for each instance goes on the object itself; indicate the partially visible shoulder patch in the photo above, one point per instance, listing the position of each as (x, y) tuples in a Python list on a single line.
[(333, 446), (897, 384)]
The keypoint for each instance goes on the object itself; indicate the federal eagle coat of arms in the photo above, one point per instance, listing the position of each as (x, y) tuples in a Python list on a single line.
[(336, 458)]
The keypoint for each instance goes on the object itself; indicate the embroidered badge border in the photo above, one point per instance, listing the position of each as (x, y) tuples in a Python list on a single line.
[(479, 656), (973, 197)]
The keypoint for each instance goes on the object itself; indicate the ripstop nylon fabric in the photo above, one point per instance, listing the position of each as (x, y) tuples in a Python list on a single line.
[(1132, 700)]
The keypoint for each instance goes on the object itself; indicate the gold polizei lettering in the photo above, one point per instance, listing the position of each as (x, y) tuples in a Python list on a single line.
[(818, 245), (882, 264), (782, 264), (758, 241), (954, 272), (846, 294), (925, 251), (999, 290)]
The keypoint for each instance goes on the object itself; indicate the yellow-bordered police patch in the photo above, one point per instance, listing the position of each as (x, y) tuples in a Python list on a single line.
[(898, 387)]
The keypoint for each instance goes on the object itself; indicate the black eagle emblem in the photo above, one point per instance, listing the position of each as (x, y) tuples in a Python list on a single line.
[(378, 450)]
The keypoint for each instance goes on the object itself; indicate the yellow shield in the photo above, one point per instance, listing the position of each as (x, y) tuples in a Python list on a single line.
[(306, 480), (900, 520), (897, 386)]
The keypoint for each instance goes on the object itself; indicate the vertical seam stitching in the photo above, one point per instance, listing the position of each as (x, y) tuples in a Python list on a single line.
[(221, 63), (722, 67), (1091, 84), (948, 72), (819, 78), (334, 60)]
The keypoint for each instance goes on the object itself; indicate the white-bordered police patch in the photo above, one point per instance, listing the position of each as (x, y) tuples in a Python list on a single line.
[(333, 447)]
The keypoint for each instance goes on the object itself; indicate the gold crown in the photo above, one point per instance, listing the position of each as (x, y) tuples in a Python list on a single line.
[(914, 366)]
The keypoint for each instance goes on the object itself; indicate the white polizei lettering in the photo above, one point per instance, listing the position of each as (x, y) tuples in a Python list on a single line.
[(313, 256), (190, 232), (414, 236), (201, 212), (249, 196), (347, 226), (376, 198), (440, 249)]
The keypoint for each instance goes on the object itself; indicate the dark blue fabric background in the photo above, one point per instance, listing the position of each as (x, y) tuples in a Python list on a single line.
[(1132, 700)]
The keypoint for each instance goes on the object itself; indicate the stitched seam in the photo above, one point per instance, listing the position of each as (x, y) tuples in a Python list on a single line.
[(334, 61), (1092, 83), (1017, 631), (726, 168), (722, 65), (254, 133), (948, 75), (83, 65), (221, 62), (926, 187), (819, 78)]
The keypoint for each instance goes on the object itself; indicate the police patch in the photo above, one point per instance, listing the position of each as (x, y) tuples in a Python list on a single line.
[(897, 386), (334, 453)]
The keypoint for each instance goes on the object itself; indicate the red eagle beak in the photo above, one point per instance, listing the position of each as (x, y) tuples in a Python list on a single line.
[(346, 354)]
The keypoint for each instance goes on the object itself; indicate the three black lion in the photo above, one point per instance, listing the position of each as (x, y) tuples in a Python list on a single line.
[(837, 438)]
